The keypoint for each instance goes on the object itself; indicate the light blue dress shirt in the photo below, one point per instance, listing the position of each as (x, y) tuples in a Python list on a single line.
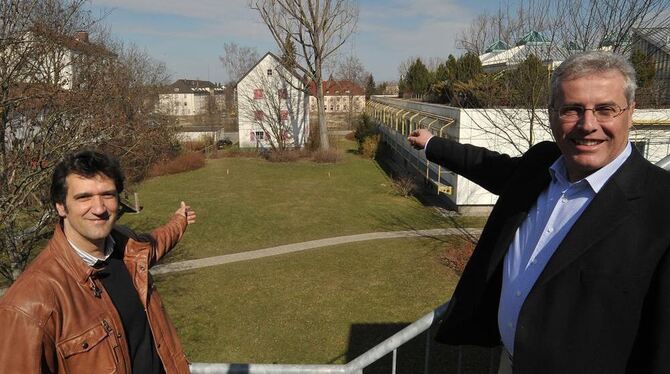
[(548, 221)]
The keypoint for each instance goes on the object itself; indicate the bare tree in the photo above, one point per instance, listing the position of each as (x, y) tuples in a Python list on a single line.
[(237, 60), (317, 28), (57, 94), (351, 69), (516, 95)]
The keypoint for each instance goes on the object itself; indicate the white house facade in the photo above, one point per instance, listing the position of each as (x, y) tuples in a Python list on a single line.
[(191, 97), (273, 107)]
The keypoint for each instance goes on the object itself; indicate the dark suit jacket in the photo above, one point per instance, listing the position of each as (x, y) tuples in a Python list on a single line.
[(602, 303)]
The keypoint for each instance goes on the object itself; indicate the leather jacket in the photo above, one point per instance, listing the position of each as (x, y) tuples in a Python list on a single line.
[(57, 317)]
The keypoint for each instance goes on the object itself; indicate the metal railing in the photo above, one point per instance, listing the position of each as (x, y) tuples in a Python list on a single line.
[(397, 122), (356, 366)]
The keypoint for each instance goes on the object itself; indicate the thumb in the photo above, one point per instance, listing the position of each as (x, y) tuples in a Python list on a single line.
[(183, 205)]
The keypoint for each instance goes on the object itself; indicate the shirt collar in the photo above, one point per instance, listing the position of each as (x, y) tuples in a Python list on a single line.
[(559, 173), (91, 260)]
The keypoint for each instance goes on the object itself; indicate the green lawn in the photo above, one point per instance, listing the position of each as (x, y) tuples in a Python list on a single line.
[(245, 204), (303, 307)]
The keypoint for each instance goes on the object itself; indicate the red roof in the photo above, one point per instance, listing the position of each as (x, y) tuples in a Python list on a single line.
[(337, 88)]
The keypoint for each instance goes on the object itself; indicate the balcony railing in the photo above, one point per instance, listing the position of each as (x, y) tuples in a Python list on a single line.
[(356, 366)]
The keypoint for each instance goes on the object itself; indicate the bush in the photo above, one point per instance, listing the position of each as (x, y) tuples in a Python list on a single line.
[(204, 141), (181, 163), (369, 146), (364, 129), (404, 185), (327, 156), (283, 155), (457, 255)]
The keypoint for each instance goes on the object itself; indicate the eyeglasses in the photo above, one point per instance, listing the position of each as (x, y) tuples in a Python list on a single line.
[(603, 113)]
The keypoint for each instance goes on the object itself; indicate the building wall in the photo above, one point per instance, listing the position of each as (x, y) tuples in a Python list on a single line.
[(339, 103), (294, 103), (188, 104)]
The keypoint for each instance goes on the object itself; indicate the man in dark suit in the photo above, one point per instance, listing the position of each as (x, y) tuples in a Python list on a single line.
[(572, 271)]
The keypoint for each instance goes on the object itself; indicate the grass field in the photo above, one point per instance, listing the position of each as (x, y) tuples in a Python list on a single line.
[(246, 203), (321, 306), (301, 308)]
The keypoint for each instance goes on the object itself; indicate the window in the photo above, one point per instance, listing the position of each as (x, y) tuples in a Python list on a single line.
[(259, 115), (269, 72), (258, 94), (283, 93), (260, 135), (331, 108), (337, 107)]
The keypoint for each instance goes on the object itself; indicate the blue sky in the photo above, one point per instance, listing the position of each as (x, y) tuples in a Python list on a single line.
[(188, 36)]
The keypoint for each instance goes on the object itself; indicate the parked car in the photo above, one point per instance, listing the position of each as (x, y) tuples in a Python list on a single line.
[(223, 143)]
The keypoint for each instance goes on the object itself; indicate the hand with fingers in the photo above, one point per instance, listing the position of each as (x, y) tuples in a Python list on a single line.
[(419, 137), (187, 212)]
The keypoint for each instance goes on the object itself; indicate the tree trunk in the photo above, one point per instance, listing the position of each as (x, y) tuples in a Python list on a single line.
[(323, 127)]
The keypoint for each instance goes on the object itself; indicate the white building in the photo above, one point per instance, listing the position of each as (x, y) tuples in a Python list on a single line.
[(338, 97), (273, 107), (501, 56), (191, 97)]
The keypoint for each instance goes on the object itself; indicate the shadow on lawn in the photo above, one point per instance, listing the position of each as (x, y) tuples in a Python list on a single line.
[(412, 355)]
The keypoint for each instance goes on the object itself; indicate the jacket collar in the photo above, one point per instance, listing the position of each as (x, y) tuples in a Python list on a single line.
[(66, 256), (612, 202)]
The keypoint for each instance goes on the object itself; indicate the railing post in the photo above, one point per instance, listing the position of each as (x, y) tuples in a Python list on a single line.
[(395, 359)]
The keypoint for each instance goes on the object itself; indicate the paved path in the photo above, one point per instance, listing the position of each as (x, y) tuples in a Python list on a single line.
[(297, 247)]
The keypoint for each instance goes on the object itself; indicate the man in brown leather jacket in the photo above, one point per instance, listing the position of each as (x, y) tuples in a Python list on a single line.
[(87, 303)]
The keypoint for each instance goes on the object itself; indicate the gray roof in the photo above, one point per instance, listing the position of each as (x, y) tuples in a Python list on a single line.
[(658, 36), (193, 86)]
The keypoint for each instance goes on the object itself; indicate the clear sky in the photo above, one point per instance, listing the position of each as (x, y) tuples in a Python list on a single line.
[(188, 36)]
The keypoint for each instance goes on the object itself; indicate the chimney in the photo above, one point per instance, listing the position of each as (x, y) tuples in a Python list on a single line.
[(81, 36)]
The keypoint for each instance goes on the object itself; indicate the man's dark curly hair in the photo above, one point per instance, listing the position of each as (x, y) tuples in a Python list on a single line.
[(88, 164)]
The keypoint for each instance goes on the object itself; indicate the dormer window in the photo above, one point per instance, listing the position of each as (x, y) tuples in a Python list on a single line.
[(269, 72)]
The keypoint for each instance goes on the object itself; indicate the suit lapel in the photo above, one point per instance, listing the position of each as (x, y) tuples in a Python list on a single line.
[(606, 213), (608, 210), (519, 205)]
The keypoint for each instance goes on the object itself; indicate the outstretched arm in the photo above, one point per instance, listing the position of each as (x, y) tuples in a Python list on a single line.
[(488, 169), (168, 235)]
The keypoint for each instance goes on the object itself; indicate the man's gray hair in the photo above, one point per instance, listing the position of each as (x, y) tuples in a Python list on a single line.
[(594, 62)]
